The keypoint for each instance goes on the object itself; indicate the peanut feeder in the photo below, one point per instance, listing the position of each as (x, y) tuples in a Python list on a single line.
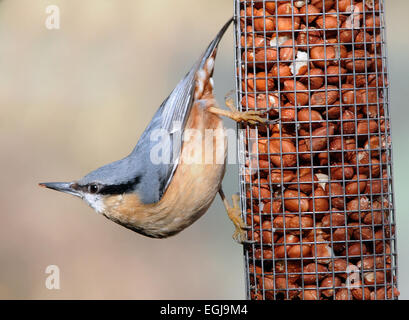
[(316, 189)]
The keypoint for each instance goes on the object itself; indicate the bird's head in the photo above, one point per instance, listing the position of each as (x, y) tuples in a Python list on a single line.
[(121, 177)]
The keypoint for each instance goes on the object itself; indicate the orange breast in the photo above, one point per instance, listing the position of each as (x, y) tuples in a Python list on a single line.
[(194, 186)]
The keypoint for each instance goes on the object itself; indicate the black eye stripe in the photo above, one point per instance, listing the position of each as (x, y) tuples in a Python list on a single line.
[(108, 189), (119, 188)]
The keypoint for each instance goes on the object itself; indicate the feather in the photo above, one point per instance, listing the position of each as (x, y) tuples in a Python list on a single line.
[(174, 112)]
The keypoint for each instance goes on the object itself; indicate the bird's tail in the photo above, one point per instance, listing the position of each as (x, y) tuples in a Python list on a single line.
[(206, 62), (212, 48)]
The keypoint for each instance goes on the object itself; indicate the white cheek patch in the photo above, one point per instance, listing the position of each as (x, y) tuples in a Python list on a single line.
[(95, 201)]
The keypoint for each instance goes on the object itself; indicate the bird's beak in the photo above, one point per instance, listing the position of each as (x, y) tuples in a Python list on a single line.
[(65, 187)]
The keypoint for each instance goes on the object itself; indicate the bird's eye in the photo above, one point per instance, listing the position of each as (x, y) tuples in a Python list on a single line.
[(93, 188)]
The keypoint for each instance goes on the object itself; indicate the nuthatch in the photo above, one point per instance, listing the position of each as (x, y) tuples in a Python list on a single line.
[(159, 200)]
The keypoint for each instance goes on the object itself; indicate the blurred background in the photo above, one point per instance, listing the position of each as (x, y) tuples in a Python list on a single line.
[(79, 97)]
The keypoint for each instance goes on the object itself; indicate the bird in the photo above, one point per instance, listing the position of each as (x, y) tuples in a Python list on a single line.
[(159, 195)]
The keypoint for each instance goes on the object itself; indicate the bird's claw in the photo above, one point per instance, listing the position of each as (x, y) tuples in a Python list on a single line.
[(273, 121), (251, 117), (234, 213)]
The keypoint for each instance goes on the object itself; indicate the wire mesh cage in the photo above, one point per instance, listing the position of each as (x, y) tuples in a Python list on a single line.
[(316, 187)]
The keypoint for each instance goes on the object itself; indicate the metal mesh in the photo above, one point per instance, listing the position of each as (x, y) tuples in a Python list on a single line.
[(316, 188)]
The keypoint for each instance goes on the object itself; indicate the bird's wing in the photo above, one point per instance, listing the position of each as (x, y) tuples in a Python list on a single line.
[(176, 108), (174, 112)]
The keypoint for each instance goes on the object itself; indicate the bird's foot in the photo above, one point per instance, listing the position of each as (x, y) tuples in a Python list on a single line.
[(234, 214), (250, 117)]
